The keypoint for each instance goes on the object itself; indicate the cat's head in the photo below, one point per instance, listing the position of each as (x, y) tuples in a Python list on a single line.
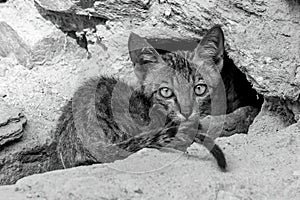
[(182, 82)]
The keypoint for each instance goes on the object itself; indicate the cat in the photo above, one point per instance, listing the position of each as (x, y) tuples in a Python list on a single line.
[(107, 119)]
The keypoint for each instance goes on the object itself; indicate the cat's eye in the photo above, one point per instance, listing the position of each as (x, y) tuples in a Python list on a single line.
[(200, 89), (165, 92)]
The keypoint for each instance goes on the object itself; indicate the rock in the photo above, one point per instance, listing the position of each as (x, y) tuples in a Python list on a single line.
[(12, 43), (56, 48), (32, 39), (272, 68), (260, 167), (24, 158), (12, 123), (25, 20), (100, 9), (54, 62)]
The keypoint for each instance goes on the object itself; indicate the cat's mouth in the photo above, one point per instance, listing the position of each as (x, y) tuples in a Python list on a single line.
[(179, 119), (183, 118)]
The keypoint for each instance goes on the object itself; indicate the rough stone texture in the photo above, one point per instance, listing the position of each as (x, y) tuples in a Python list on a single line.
[(12, 123), (39, 89), (30, 38), (265, 166), (11, 43), (262, 36)]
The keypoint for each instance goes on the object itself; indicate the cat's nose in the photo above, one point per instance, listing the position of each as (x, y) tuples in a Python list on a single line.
[(186, 114)]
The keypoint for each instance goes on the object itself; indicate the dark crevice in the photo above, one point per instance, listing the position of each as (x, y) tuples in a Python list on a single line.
[(247, 96), (3, 1), (85, 4), (81, 40), (280, 108), (30, 161), (293, 2), (70, 21), (72, 24), (294, 7)]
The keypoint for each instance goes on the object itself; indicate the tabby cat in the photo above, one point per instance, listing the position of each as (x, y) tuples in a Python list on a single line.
[(108, 120)]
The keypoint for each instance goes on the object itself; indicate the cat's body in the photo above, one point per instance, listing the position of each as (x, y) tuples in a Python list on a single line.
[(89, 114), (108, 120)]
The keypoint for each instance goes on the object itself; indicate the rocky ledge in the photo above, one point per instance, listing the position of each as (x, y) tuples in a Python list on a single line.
[(12, 122)]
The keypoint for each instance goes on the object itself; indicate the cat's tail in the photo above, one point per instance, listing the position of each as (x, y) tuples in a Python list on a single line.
[(214, 149)]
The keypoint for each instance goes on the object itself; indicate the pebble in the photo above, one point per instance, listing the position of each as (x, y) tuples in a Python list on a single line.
[(145, 2), (267, 60), (168, 12)]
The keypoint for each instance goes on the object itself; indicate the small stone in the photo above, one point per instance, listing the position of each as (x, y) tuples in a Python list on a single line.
[(267, 60), (145, 2), (168, 12), (138, 191)]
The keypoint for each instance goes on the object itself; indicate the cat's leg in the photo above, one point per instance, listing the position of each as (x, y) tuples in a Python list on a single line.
[(155, 138), (230, 124)]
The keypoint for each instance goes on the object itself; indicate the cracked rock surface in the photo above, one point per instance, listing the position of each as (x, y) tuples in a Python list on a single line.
[(12, 123)]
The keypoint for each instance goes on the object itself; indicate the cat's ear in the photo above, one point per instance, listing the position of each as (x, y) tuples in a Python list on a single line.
[(142, 54), (212, 46)]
